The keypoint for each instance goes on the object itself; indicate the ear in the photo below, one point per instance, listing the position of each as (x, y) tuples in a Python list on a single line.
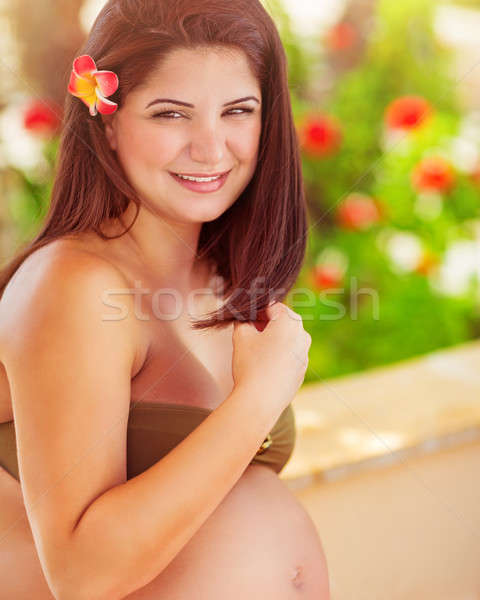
[(109, 122)]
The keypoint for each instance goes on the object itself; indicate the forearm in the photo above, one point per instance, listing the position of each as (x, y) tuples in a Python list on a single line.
[(130, 533)]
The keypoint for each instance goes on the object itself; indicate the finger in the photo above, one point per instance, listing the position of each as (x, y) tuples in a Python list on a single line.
[(293, 314), (274, 310), (244, 327)]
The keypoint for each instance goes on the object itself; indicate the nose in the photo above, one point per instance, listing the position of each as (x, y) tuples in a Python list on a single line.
[(207, 144)]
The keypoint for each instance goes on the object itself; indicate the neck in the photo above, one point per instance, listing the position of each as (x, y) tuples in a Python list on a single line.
[(166, 251)]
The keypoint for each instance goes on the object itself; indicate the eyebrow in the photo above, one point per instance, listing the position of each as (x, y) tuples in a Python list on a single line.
[(180, 103)]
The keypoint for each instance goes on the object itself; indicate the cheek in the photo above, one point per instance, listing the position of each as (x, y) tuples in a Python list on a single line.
[(144, 146), (246, 143)]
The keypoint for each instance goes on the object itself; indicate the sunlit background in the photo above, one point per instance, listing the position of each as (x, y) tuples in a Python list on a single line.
[(386, 100), (386, 97)]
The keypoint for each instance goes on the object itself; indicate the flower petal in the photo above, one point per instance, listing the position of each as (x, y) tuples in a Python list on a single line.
[(84, 64), (107, 81), (104, 106), (91, 102), (72, 86), (79, 86)]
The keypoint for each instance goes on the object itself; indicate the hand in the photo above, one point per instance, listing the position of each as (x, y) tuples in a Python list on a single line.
[(273, 360)]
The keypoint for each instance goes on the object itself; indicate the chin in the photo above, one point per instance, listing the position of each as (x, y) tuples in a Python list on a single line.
[(203, 216)]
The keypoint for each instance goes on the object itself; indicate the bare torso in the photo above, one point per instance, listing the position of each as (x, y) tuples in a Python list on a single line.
[(259, 542)]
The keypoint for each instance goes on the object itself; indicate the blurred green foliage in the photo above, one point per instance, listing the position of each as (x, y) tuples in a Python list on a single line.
[(399, 314)]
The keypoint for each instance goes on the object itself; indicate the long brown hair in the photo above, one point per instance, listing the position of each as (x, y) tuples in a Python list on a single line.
[(262, 236)]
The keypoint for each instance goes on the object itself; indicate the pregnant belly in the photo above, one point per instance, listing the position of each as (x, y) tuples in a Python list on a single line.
[(259, 543)]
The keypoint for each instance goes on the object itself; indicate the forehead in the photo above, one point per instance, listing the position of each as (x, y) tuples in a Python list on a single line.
[(202, 69)]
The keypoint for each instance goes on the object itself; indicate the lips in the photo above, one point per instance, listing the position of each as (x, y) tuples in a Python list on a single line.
[(201, 186), (201, 174)]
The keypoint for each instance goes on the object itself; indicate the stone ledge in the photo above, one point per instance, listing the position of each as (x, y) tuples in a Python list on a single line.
[(381, 415)]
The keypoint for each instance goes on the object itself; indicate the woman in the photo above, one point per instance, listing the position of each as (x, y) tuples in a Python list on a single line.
[(148, 449)]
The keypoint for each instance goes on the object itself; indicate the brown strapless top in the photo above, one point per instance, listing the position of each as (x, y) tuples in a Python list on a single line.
[(156, 428)]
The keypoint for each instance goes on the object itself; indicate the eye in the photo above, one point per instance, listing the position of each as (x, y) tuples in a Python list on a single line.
[(244, 110), (167, 114)]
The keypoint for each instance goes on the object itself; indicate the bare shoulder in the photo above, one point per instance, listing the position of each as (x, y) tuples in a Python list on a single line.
[(64, 276), (69, 358)]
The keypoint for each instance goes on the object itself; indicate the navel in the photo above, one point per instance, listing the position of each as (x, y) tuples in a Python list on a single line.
[(298, 580)]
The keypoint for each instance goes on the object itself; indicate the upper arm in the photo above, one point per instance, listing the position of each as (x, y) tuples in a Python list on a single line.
[(69, 362)]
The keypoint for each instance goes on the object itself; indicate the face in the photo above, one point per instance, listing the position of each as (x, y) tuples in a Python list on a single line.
[(207, 122)]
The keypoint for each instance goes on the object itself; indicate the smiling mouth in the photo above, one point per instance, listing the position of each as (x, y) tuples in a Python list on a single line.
[(201, 184), (200, 177)]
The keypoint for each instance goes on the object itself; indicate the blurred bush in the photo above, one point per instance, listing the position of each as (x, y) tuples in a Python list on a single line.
[(392, 172)]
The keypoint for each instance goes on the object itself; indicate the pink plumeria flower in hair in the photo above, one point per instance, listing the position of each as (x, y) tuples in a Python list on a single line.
[(92, 86)]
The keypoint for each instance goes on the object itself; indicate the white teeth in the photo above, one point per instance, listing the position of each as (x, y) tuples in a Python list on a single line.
[(199, 179)]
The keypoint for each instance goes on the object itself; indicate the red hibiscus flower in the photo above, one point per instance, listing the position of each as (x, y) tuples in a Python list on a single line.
[(42, 118), (326, 276), (341, 36), (433, 174), (358, 211), (320, 135), (407, 112)]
